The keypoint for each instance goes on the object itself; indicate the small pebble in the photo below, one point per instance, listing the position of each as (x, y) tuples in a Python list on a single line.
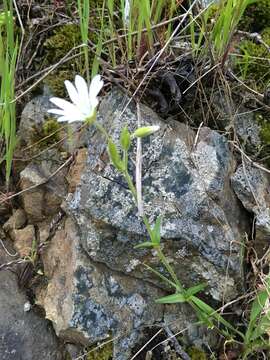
[(27, 306)]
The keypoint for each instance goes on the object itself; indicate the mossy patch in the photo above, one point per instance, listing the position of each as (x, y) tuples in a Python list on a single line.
[(57, 46), (102, 353), (64, 38), (254, 64), (256, 17), (265, 130), (197, 354), (47, 135), (56, 80), (263, 121)]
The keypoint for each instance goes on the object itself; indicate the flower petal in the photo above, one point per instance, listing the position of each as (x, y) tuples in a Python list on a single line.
[(63, 118), (82, 90), (57, 111), (70, 118), (72, 92), (62, 104), (94, 88)]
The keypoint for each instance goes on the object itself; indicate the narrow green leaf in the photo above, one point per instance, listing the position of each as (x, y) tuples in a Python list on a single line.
[(256, 310), (146, 244), (114, 156), (262, 328), (195, 289), (156, 231), (172, 299), (204, 318), (125, 139), (212, 313), (258, 305)]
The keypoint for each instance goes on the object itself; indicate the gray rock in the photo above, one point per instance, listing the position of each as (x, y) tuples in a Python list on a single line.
[(98, 285), (248, 130), (232, 114), (188, 185), (251, 185), (89, 303), (23, 335), (33, 117), (43, 200)]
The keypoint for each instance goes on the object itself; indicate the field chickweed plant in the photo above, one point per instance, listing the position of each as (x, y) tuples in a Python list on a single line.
[(132, 39)]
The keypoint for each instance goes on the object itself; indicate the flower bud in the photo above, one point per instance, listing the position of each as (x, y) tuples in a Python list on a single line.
[(145, 131)]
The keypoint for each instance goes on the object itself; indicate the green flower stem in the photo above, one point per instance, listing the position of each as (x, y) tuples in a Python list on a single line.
[(125, 159), (130, 184), (170, 270), (147, 225), (102, 130), (166, 280)]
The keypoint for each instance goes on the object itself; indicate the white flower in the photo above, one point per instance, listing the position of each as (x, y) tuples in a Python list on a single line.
[(84, 100)]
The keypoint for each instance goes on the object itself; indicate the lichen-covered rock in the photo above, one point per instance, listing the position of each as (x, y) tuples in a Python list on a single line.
[(98, 286), (89, 303), (232, 114), (251, 185), (187, 183), (33, 118), (248, 130)]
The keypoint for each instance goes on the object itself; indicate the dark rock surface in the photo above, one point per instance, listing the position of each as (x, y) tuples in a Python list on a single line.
[(252, 185), (23, 335)]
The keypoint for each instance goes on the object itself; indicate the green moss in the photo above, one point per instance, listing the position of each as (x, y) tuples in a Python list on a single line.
[(57, 46), (64, 38), (47, 136), (196, 354), (265, 133), (256, 17), (254, 65), (55, 81), (264, 122), (103, 353), (50, 127)]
